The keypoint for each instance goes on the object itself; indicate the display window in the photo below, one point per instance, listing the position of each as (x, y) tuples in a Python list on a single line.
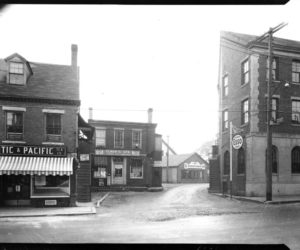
[(136, 169), (48, 186)]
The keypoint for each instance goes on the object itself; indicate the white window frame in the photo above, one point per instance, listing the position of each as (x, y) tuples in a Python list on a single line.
[(15, 72), (115, 130), (140, 139), (130, 173), (104, 139)]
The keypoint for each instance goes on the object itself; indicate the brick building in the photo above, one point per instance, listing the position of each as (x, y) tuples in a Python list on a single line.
[(184, 168), (39, 105), (243, 78), (126, 155)]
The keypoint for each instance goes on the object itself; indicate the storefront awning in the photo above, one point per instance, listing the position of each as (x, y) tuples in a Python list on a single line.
[(36, 165)]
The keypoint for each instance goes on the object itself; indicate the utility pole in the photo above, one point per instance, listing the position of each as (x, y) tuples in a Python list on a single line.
[(167, 160), (269, 34)]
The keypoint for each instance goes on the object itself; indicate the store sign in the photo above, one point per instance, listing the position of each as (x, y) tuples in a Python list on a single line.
[(84, 157), (10, 150), (194, 165), (117, 152), (237, 141)]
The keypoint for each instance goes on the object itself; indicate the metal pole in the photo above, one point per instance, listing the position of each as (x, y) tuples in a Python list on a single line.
[(167, 161), (269, 128), (231, 157)]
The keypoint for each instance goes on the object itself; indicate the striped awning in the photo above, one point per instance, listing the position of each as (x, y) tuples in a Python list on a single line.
[(36, 165)]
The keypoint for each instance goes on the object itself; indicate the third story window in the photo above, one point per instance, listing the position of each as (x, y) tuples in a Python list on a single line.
[(16, 73), (14, 125), (245, 111), (296, 111), (245, 72), (296, 71)]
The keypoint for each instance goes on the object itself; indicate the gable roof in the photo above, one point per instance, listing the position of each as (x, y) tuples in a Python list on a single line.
[(21, 57), (176, 160)]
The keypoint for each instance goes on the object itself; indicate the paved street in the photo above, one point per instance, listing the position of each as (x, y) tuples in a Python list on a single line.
[(179, 214)]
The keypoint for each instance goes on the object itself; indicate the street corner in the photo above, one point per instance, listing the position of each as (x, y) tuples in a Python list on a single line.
[(99, 199)]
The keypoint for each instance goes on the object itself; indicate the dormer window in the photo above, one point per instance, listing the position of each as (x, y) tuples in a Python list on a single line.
[(16, 73)]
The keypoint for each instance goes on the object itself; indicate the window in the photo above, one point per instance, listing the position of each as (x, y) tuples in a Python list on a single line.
[(296, 71), (225, 120), (14, 125), (275, 71), (275, 105), (245, 72), (16, 73), (51, 185), (100, 137), (136, 138), (274, 159), (100, 166), (296, 111), (245, 111), (119, 138), (296, 160), (241, 161), (225, 86), (226, 163), (53, 127), (136, 168)]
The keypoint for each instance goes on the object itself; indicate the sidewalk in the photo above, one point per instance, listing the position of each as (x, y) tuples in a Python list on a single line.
[(275, 199), (82, 208)]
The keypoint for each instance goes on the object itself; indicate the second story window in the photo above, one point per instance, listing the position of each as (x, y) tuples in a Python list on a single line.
[(119, 138), (225, 120), (296, 71), (53, 127), (296, 111), (225, 86), (245, 72), (16, 73), (136, 139), (275, 69), (14, 125), (275, 104), (245, 111), (100, 137)]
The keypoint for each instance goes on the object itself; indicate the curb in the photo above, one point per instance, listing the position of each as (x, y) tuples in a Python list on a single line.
[(155, 189), (102, 199)]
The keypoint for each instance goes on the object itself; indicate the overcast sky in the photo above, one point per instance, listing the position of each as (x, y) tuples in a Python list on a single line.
[(133, 58)]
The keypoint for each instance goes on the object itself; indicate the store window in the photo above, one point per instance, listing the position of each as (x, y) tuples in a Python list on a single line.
[(137, 139), (16, 73), (53, 127), (100, 137), (136, 168), (50, 185), (119, 138), (100, 166), (14, 125)]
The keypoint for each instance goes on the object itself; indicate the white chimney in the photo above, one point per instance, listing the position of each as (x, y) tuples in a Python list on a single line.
[(90, 113), (150, 110), (74, 49)]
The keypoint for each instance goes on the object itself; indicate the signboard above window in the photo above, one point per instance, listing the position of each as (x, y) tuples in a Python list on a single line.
[(12, 150)]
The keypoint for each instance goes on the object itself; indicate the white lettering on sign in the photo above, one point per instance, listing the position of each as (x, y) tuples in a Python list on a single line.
[(237, 142), (196, 165)]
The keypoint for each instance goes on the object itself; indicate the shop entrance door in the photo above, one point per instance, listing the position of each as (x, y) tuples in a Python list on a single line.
[(16, 189), (118, 171)]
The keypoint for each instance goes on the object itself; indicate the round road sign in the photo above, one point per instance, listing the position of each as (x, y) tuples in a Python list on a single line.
[(237, 141)]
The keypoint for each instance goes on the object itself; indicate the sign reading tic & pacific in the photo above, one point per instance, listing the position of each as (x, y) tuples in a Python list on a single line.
[(22, 150)]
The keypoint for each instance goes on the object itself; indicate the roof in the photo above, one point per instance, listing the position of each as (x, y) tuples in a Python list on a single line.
[(244, 39), (176, 160), (48, 81), (106, 122)]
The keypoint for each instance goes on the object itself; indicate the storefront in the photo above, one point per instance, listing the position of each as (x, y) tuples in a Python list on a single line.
[(118, 167), (35, 175)]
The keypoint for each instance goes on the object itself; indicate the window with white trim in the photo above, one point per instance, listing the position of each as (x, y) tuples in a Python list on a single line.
[(245, 111), (53, 127), (275, 105), (296, 71), (119, 138), (16, 73), (136, 139), (14, 125), (245, 72), (296, 111), (100, 137)]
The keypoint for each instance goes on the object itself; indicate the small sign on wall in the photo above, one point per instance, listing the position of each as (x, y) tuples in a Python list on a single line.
[(50, 202), (84, 157)]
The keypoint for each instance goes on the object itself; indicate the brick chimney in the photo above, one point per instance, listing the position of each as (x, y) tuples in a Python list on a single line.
[(90, 113), (150, 110), (74, 49)]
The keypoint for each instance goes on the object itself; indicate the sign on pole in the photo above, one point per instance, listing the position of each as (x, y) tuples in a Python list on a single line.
[(237, 142)]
